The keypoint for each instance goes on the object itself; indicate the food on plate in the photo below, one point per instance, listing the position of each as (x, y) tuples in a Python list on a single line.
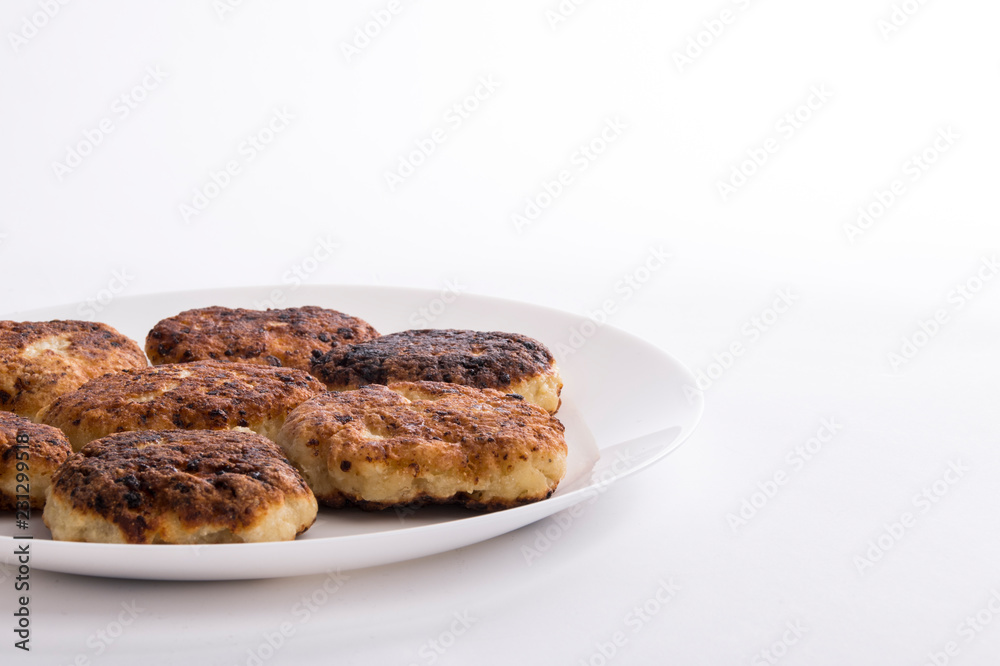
[(425, 442), (29, 453), (41, 360), (179, 486), (284, 338), (507, 362), (204, 395)]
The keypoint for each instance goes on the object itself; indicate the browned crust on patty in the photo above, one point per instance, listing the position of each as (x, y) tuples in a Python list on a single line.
[(422, 432), (47, 448), (205, 395), (285, 338), (41, 360), (223, 480), (482, 359)]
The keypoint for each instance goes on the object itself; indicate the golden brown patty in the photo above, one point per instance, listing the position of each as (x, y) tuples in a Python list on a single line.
[(205, 395), (286, 338), (46, 448), (179, 486), (507, 362), (416, 442), (41, 360)]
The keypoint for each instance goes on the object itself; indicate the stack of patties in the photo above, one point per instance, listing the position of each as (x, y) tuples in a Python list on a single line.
[(184, 451), (169, 454), (484, 444), (172, 454), (39, 362), (432, 416)]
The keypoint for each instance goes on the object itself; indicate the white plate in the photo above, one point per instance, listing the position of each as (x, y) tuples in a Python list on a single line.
[(624, 408)]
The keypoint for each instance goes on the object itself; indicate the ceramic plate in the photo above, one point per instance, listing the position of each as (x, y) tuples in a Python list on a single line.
[(624, 408)]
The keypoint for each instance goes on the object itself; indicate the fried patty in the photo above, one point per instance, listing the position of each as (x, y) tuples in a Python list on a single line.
[(284, 338), (36, 459), (425, 442), (179, 486), (507, 362), (205, 395), (41, 360)]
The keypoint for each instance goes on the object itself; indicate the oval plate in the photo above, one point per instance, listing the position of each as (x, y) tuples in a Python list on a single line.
[(624, 408)]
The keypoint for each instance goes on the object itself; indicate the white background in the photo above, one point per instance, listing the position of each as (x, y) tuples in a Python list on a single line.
[(113, 221)]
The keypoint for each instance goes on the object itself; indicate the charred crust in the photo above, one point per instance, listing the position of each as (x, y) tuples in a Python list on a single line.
[(71, 353), (207, 395), (482, 359), (224, 480), (281, 338)]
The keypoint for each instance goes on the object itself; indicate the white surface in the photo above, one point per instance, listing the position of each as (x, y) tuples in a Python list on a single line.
[(655, 186), (608, 439)]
